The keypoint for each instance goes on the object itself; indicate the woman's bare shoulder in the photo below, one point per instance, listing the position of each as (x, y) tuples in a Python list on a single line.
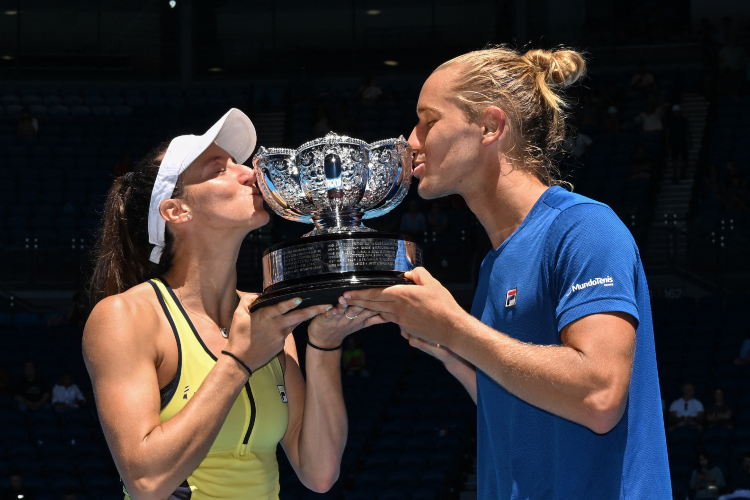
[(125, 318)]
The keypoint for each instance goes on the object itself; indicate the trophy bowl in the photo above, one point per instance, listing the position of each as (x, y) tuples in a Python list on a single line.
[(334, 183)]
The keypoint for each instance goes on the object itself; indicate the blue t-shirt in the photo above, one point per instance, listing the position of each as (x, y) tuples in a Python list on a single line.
[(570, 257)]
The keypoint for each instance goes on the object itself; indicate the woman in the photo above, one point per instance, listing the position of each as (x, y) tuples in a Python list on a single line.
[(194, 392), (707, 479), (719, 413)]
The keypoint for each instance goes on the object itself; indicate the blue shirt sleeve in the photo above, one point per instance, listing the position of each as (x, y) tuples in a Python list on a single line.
[(593, 263)]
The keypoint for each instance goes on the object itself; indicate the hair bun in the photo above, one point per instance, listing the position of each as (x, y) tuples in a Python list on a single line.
[(561, 67)]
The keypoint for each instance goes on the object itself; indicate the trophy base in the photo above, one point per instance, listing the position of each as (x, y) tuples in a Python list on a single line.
[(328, 292), (319, 269)]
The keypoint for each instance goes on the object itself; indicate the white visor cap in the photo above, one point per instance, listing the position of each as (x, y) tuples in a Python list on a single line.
[(234, 133)]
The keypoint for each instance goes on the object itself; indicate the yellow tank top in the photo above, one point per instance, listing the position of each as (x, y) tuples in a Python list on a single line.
[(241, 462)]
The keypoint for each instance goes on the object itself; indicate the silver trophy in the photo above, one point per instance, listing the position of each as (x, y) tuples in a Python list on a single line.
[(334, 183)]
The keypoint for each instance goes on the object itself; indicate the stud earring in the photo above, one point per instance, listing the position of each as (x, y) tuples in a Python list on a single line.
[(190, 216)]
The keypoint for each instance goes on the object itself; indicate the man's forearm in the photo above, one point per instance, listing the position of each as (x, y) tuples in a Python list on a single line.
[(558, 379)]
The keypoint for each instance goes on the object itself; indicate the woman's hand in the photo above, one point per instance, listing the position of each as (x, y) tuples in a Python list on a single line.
[(330, 329), (259, 336)]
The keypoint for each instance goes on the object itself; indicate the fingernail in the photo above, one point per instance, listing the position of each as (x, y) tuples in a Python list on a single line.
[(335, 312), (329, 308), (297, 301), (342, 301), (347, 296)]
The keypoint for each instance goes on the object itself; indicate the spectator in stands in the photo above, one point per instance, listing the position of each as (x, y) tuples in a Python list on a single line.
[(66, 395), (643, 80), (641, 165), (371, 91), (678, 140), (651, 118), (28, 126), (740, 484), (79, 309), (744, 357), (413, 221), (578, 145), (732, 64), (437, 219), (353, 359), (719, 413), (612, 121), (31, 393), (735, 192), (17, 490), (4, 382), (686, 411), (707, 479)]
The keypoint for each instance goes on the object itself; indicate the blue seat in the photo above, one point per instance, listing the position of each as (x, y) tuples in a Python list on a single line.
[(94, 482), (389, 444), (20, 450), (403, 477), (27, 466), (63, 481), (25, 318), (58, 465), (35, 483), (11, 434), (413, 459), (383, 459), (10, 417), (433, 476), (684, 435), (361, 494), (718, 435), (45, 432), (425, 493), (393, 494), (55, 449)]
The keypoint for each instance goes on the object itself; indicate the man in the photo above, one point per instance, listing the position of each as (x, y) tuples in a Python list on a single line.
[(686, 411), (17, 490), (568, 400), (678, 138), (31, 392)]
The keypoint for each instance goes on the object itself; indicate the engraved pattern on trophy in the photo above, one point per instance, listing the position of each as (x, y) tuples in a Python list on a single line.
[(335, 181), (280, 183)]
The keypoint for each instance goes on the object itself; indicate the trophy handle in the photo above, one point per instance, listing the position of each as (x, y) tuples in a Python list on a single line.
[(401, 183)]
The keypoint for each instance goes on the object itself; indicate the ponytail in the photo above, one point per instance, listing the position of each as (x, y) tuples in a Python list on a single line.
[(122, 252)]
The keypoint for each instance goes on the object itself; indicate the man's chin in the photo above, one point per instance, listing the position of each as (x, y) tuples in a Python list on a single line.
[(427, 192)]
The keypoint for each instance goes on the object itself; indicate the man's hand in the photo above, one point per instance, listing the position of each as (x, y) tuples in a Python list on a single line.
[(427, 310)]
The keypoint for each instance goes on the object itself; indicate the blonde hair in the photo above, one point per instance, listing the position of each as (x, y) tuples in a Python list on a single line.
[(527, 87)]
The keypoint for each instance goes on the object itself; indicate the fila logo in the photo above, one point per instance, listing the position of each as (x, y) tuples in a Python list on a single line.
[(510, 297), (282, 392)]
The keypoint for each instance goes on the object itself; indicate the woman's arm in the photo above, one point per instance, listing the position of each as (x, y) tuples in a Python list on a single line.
[(318, 427), (153, 458), (121, 354), (465, 372)]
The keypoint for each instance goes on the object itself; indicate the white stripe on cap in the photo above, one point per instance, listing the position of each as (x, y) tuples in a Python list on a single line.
[(234, 133)]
